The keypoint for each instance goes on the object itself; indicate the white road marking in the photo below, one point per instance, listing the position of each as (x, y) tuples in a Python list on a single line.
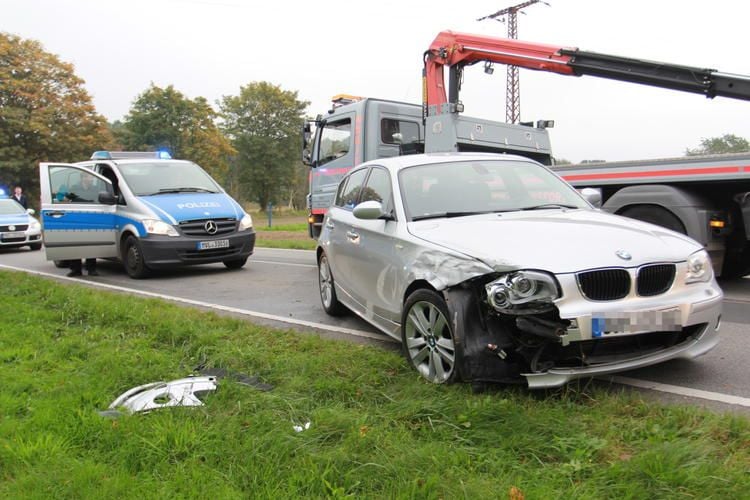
[(278, 262), (219, 307), (681, 391), (644, 384)]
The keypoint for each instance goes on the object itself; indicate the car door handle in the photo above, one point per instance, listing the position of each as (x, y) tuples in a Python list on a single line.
[(329, 225), (55, 214), (353, 236)]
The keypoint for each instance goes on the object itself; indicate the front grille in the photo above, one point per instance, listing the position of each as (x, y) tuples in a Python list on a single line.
[(198, 227), (18, 227), (655, 279), (604, 284)]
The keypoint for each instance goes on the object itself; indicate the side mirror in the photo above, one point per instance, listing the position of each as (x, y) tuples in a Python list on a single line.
[(306, 138), (369, 210), (30, 211), (593, 196), (107, 198)]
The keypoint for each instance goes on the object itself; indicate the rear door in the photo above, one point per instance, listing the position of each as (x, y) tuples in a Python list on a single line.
[(76, 226)]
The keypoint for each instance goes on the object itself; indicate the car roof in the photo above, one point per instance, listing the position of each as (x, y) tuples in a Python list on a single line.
[(397, 163)]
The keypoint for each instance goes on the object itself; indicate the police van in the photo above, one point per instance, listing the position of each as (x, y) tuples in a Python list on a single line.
[(145, 209)]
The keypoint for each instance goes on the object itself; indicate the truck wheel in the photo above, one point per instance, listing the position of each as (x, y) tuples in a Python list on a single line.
[(135, 265), (235, 264), (655, 215)]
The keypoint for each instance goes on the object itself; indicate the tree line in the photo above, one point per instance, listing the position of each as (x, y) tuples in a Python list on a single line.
[(250, 143)]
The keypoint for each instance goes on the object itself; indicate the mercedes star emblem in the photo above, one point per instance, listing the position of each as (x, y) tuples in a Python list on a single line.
[(210, 227)]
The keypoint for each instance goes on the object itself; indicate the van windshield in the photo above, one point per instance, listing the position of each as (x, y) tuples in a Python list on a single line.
[(162, 177)]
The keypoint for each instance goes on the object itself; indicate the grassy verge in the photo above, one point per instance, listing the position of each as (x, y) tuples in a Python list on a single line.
[(377, 430), (286, 232)]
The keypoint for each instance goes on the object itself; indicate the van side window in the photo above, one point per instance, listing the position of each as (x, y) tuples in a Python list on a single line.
[(75, 186), (335, 140)]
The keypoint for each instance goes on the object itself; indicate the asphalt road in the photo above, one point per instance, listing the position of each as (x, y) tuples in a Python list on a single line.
[(279, 287)]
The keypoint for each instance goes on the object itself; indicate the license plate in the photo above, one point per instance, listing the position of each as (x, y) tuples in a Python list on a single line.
[(210, 245), (13, 235), (628, 323)]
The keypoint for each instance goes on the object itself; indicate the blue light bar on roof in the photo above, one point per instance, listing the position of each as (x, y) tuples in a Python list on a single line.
[(122, 155)]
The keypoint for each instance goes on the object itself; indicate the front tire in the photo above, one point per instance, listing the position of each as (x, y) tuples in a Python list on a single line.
[(327, 289), (133, 260), (235, 263), (427, 337), (35, 246)]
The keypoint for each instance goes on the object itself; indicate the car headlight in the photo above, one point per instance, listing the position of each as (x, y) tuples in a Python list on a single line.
[(158, 227), (699, 267), (521, 291), (34, 225), (246, 223)]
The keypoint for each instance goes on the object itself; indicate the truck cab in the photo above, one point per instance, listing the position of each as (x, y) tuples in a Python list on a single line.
[(144, 209), (355, 130)]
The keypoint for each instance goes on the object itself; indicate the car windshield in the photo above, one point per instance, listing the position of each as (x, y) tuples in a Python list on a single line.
[(11, 207), (461, 188), (163, 177)]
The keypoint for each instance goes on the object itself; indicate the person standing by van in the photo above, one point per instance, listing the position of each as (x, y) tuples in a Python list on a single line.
[(20, 197)]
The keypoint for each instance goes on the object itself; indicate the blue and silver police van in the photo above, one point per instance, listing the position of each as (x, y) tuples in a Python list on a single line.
[(146, 209)]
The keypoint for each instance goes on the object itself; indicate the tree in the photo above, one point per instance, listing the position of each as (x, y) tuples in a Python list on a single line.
[(727, 143), (264, 124), (165, 118), (46, 114)]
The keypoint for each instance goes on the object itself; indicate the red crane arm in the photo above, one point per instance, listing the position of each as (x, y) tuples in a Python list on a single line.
[(450, 48), (456, 50)]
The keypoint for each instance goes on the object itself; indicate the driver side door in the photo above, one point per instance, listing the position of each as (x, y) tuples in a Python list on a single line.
[(73, 228)]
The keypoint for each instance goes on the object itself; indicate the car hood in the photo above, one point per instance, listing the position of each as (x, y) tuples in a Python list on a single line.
[(179, 207), (559, 241), (15, 219)]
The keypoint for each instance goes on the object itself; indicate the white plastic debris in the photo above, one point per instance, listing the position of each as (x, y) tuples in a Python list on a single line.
[(300, 428), (182, 392)]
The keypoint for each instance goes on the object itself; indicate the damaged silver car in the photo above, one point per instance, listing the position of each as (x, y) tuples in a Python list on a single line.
[(490, 268)]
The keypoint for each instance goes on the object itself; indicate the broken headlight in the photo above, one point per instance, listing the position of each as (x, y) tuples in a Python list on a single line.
[(522, 292)]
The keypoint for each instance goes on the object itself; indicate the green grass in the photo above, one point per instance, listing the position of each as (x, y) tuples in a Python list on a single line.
[(377, 430), (298, 227)]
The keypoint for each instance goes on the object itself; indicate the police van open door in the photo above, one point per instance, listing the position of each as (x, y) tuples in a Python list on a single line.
[(78, 213)]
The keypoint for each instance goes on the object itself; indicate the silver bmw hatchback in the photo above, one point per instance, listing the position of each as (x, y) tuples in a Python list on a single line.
[(490, 268)]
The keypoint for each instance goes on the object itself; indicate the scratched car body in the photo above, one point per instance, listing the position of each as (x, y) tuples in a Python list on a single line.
[(490, 268)]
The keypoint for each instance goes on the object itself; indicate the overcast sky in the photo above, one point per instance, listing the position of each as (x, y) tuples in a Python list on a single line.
[(374, 48)]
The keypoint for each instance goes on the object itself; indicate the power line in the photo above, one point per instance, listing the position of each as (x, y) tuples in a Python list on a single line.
[(513, 85)]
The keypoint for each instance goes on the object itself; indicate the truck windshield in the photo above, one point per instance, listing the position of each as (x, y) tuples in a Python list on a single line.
[(152, 178), (473, 187)]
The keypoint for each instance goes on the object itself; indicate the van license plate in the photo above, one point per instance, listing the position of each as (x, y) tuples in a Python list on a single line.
[(210, 245), (14, 235)]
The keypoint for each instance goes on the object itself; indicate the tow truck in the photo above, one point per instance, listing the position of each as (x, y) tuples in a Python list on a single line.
[(707, 198)]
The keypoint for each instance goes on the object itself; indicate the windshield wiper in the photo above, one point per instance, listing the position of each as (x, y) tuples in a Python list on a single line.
[(183, 190), (548, 205), (441, 215)]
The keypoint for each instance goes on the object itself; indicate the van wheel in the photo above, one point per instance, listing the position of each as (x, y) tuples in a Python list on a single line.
[(135, 265), (235, 263), (60, 264)]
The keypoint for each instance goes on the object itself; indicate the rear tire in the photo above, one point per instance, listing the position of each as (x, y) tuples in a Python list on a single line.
[(655, 215), (133, 260), (427, 337), (327, 289), (235, 263)]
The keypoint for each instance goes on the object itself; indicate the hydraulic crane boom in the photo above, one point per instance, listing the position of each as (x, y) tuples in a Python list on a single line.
[(457, 50)]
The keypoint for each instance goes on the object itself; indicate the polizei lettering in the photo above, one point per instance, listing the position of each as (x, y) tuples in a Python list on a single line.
[(200, 204)]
